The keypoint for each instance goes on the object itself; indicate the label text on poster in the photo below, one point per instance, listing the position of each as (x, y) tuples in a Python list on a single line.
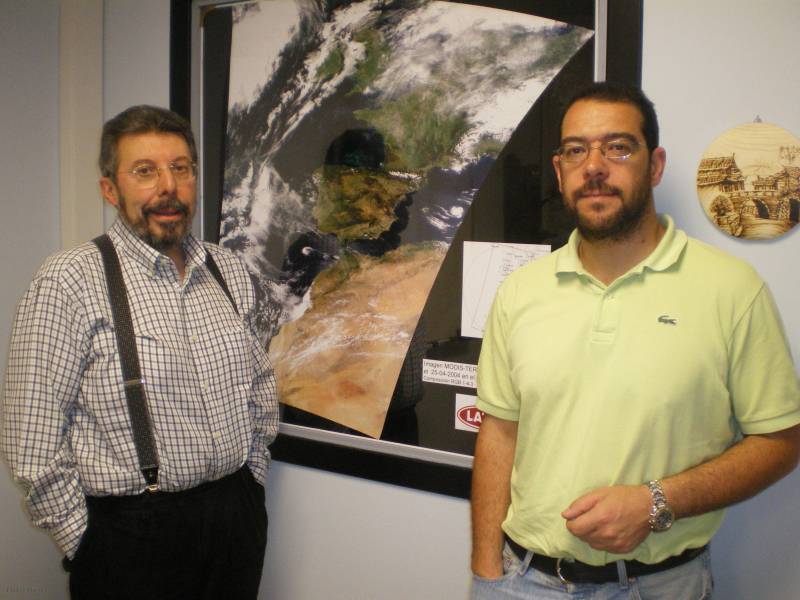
[(449, 373)]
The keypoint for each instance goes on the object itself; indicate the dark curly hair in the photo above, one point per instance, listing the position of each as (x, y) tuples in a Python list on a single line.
[(606, 91)]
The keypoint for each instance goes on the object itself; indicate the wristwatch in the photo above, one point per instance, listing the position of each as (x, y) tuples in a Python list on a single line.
[(661, 515)]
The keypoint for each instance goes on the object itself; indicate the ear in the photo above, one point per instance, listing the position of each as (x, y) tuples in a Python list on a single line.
[(109, 191), (658, 160), (557, 169)]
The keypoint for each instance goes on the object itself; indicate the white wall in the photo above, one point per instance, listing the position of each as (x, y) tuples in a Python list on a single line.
[(29, 231), (135, 59), (708, 66), (333, 537)]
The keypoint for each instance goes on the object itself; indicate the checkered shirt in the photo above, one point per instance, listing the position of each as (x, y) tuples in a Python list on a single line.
[(209, 384)]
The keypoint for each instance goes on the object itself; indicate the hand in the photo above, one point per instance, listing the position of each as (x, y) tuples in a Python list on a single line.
[(614, 519)]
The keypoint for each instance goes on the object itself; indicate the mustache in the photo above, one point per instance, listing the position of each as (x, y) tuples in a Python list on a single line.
[(170, 203), (597, 187)]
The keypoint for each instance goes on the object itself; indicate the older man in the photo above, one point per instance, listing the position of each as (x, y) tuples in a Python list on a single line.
[(635, 383), (151, 481)]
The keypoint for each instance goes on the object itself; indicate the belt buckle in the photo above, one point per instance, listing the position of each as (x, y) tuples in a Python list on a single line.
[(559, 573)]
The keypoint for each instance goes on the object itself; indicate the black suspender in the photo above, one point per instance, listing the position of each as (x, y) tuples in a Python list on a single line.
[(141, 421), (212, 266)]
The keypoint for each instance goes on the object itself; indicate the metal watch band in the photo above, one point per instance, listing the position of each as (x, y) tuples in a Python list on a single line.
[(661, 515), (657, 493)]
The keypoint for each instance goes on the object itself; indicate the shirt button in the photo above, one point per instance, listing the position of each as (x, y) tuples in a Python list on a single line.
[(204, 386), (193, 339)]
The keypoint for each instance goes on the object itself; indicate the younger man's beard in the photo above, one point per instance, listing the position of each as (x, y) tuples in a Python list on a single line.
[(622, 223)]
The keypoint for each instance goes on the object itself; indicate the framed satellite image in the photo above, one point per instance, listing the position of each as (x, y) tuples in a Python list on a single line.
[(380, 166)]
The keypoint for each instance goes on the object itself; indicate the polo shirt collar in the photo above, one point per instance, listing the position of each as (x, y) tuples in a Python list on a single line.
[(147, 256), (665, 255)]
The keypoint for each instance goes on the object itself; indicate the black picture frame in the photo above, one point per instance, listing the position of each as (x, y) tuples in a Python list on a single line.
[(377, 460)]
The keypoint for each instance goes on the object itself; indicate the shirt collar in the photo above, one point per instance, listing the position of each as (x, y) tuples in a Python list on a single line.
[(147, 256), (665, 255)]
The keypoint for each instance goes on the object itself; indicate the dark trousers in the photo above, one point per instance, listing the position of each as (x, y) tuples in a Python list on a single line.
[(206, 543)]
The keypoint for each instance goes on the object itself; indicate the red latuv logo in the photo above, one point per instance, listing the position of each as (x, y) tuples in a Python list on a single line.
[(470, 416)]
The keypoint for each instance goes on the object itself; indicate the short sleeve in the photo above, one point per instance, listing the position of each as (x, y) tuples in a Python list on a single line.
[(497, 394), (762, 380)]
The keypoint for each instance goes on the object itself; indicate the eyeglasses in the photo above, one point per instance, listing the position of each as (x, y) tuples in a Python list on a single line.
[(146, 175), (617, 149)]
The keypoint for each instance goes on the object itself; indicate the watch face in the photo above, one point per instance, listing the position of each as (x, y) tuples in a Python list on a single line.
[(662, 519)]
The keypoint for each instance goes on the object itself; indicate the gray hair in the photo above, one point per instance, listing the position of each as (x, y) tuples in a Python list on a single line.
[(140, 119)]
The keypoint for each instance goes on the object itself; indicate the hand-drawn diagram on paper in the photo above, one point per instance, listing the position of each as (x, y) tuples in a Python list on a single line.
[(357, 138), (486, 265)]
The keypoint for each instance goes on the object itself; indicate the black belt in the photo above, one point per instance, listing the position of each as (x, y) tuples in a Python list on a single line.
[(577, 572)]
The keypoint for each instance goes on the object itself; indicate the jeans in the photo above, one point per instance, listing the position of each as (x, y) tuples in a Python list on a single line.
[(690, 581)]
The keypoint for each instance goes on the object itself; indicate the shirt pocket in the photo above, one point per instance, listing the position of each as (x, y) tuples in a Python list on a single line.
[(231, 360)]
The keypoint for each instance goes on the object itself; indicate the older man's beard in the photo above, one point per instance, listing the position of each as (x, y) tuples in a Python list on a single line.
[(621, 224), (171, 234)]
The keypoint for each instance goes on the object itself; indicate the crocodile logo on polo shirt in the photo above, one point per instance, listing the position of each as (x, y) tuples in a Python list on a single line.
[(667, 320)]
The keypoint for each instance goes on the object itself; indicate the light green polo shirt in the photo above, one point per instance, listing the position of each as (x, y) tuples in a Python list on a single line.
[(661, 370)]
